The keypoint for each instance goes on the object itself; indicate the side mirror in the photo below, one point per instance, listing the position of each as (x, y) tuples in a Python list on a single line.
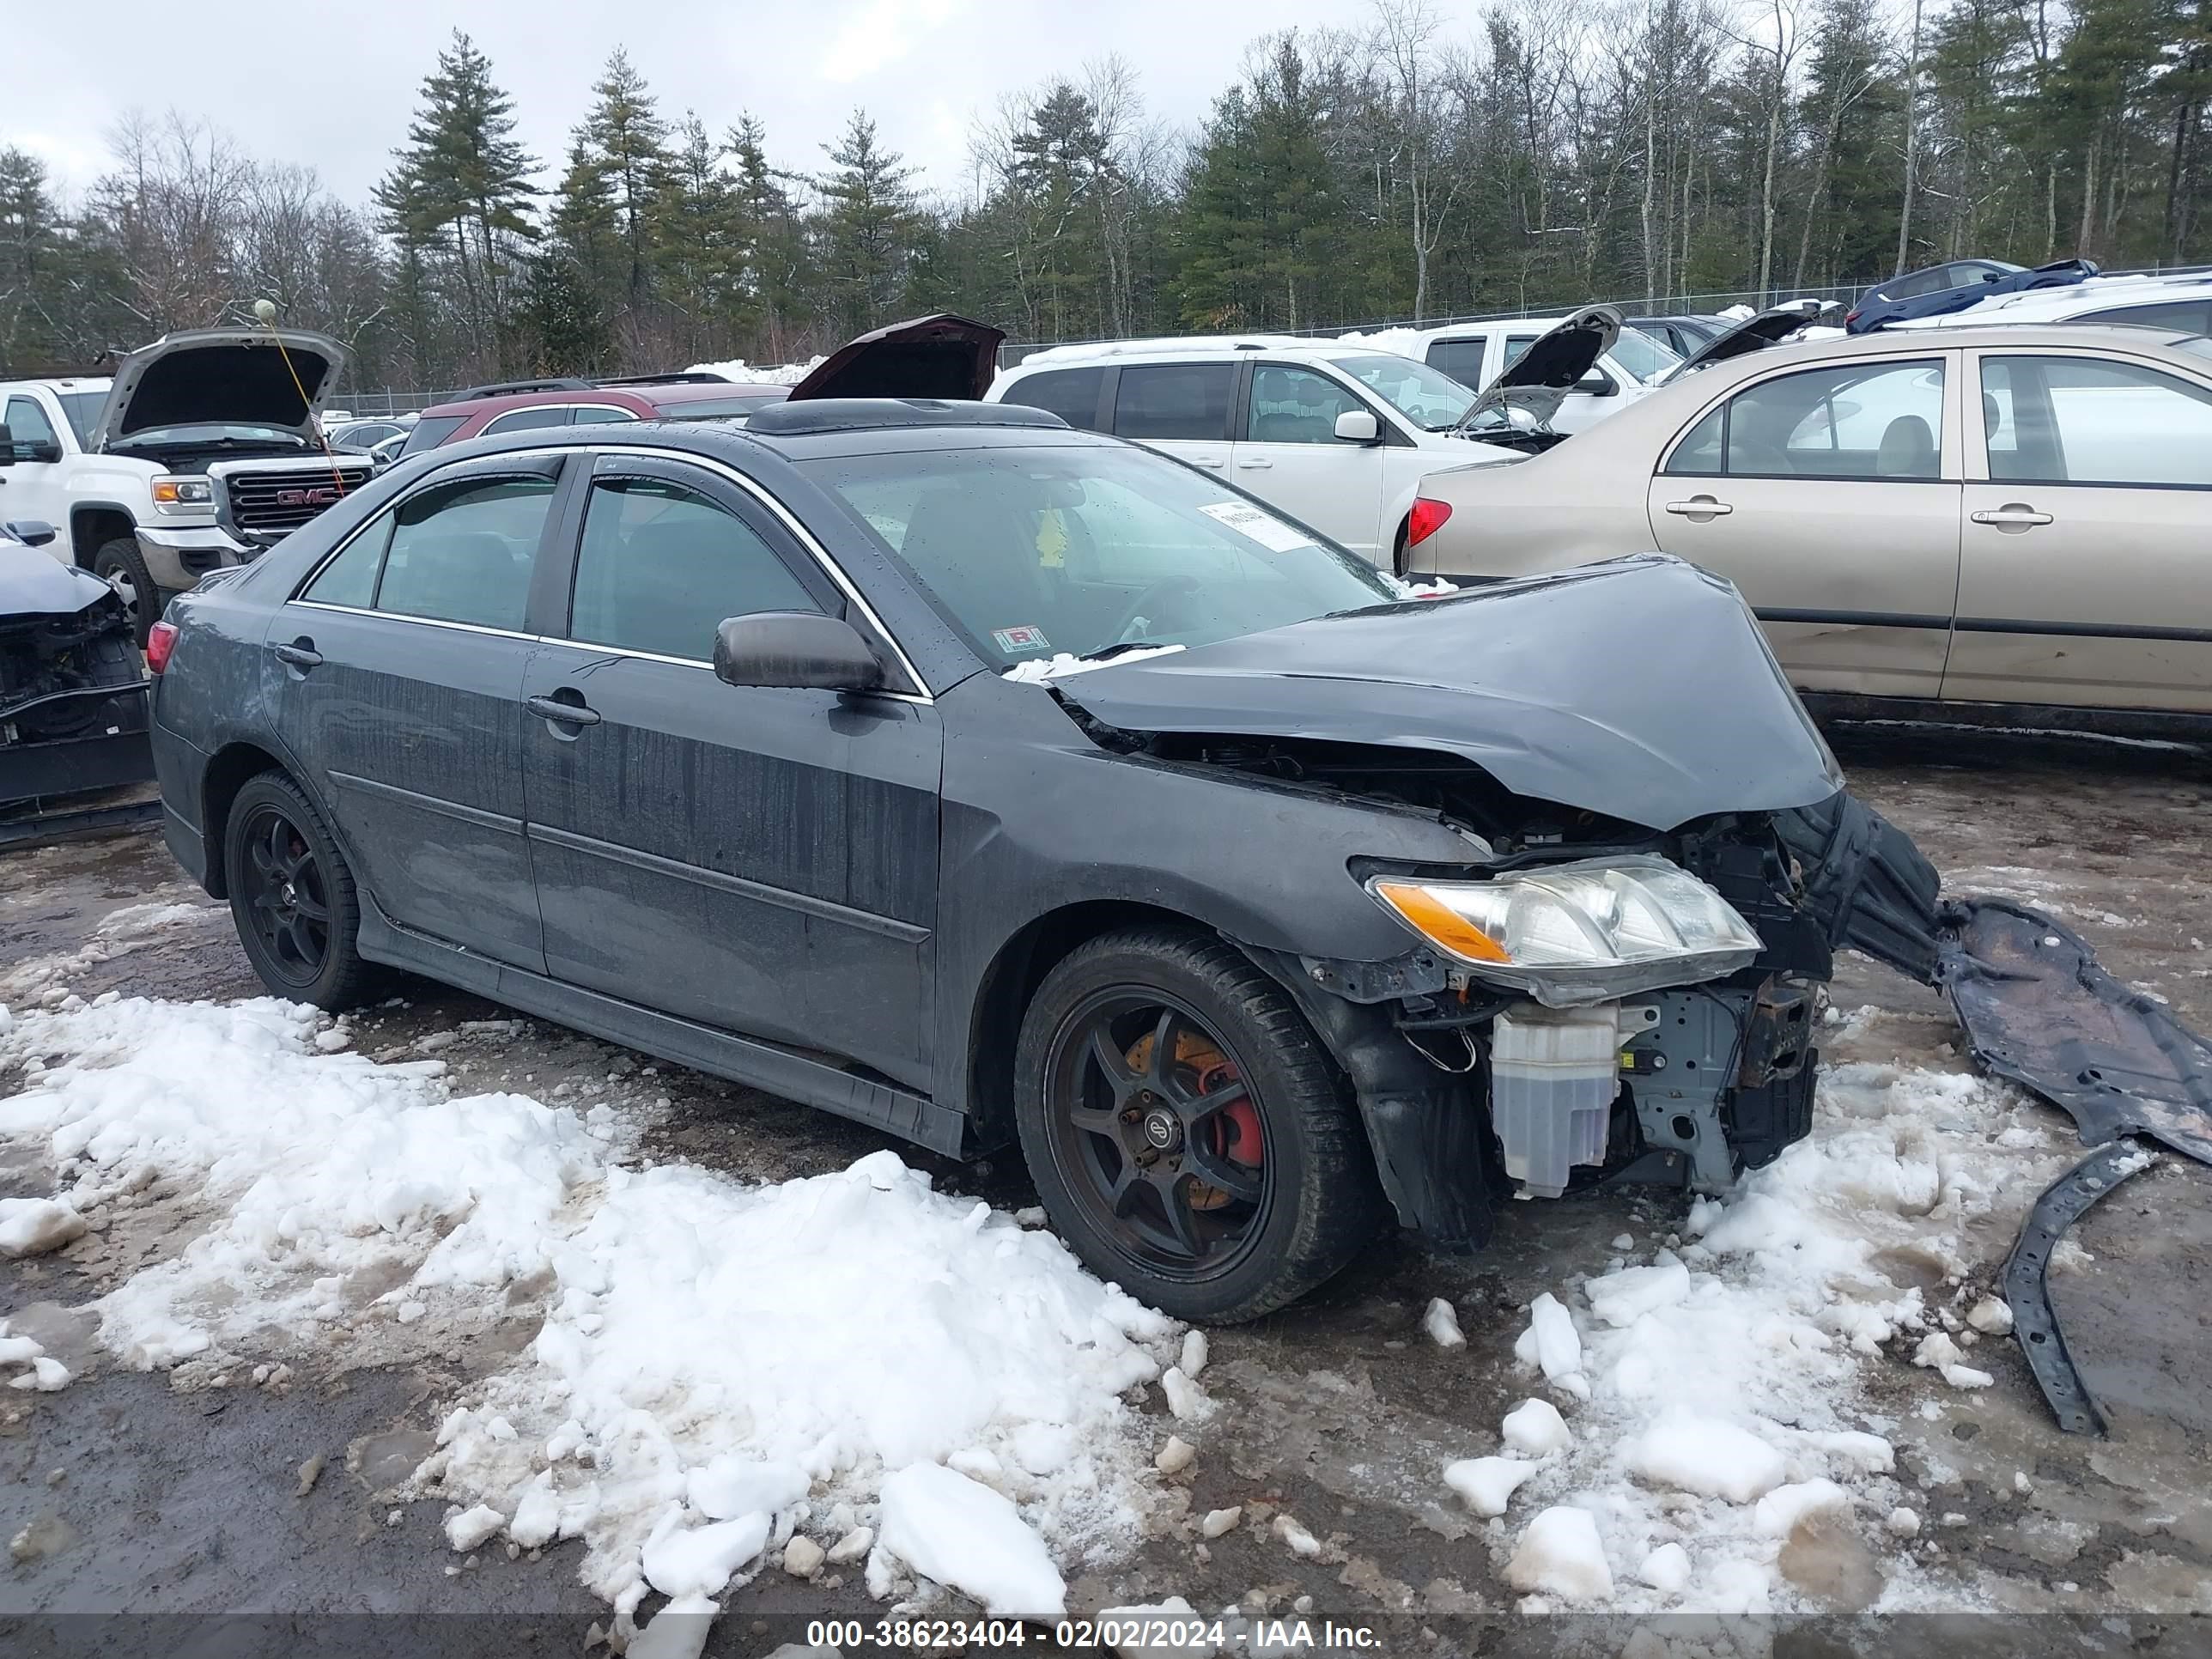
[(795, 649), (32, 533), (1597, 385), (1358, 426)]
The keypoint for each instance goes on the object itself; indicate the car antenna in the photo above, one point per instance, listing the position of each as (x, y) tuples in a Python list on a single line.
[(265, 309)]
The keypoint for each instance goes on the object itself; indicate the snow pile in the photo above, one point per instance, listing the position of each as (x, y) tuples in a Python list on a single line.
[(745, 373), (1036, 670), (1713, 1393), (842, 1326), (721, 1368), (1403, 342)]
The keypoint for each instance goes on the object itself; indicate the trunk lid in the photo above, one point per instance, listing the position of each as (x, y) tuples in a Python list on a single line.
[(221, 376), (939, 356), (1640, 688)]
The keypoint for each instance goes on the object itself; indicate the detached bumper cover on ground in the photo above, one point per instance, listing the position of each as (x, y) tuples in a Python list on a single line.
[(2038, 1010)]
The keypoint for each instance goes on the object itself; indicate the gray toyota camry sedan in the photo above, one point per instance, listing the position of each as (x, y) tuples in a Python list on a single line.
[(994, 783)]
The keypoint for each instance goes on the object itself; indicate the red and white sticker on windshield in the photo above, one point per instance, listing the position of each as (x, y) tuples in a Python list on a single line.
[(1246, 519), (1025, 638)]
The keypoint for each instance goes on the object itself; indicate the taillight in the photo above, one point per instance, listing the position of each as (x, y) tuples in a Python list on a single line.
[(161, 640), (1425, 519), (1850, 316)]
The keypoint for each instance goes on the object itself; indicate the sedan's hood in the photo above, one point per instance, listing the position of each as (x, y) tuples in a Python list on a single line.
[(214, 376), (940, 355), (1537, 381), (34, 583), (1640, 688), (1754, 333)]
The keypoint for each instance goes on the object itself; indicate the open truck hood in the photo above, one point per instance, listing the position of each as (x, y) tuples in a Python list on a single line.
[(1640, 688), (939, 356), (217, 376), (1537, 381)]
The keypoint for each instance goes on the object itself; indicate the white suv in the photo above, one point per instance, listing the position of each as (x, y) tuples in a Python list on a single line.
[(1337, 437)]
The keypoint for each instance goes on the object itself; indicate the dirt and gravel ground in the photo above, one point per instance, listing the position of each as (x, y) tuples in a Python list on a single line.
[(124, 1492)]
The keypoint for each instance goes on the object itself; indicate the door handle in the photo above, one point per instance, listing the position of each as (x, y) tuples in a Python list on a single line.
[(1209, 460), (1700, 506), (2012, 515), (1255, 462), (562, 713), (301, 655)]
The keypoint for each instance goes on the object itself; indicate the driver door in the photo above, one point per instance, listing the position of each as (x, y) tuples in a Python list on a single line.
[(32, 490)]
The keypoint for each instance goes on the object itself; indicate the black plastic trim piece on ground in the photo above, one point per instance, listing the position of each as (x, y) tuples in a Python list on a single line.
[(83, 820), (2034, 1321)]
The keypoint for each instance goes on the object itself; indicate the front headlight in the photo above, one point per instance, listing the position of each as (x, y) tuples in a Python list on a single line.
[(1585, 931), (174, 494)]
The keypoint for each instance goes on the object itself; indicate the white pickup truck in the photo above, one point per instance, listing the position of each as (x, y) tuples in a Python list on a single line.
[(200, 452)]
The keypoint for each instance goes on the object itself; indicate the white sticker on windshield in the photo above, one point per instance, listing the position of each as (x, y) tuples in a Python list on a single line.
[(1264, 528)]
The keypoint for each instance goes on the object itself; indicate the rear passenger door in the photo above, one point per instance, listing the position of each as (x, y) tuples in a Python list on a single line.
[(1182, 409), (759, 859), (395, 674), (1291, 458)]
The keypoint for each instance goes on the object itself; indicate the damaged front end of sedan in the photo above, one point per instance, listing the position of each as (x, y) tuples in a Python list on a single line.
[(73, 691), (1624, 981)]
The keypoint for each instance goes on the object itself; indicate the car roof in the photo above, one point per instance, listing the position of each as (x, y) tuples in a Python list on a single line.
[(621, 396), (1176, 350), (64, 383)]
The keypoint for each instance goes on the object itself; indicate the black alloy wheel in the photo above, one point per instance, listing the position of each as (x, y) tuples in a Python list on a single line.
[(1160, 1130), (289, 900)]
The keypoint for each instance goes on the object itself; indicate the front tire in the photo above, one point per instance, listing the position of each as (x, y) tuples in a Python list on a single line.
[(1189, 1136), (123, 567), (292, 896)]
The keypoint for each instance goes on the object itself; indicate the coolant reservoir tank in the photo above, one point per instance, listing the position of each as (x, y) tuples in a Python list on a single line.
[(1553, 1074)]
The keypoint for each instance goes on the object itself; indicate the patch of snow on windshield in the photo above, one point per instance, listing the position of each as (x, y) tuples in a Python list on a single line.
[(1038, 669)]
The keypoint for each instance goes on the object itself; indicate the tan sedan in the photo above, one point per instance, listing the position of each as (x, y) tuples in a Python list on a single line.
[(1975, 516)]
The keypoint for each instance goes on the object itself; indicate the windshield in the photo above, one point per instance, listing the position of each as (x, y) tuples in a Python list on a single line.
[(1429, 397), (1639, 354), (1081, 548), (82, 409)]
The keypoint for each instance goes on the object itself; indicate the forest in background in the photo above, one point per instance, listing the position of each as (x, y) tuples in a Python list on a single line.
[(1417, 168)]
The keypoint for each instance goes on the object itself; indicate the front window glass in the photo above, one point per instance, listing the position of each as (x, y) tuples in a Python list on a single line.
[(521, 420), (596, 414), (82, 409), (1432, 399), (463, 553), (1029, 552), (2088, 420), (1297, 406), (1641, 355), (27, 424), (661, 566)]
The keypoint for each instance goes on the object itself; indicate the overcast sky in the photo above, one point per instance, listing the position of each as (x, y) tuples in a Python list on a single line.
[(332, 86)]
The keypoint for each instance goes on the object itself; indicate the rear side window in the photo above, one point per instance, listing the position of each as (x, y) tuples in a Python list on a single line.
[(2085, 420), (521, 420), (1174, 400), (661, 566), (431, 431), (463, 553), (1461, 359), (2183, 316), (1070, 393)]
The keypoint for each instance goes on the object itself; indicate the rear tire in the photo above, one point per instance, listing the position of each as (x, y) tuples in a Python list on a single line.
[(123, 567), (292, 896), (1258, 1228)]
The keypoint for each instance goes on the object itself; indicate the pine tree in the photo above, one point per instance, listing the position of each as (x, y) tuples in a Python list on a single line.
[(779, 260), (701, 235), (30, 255), (464, 184), (627, 142), (867, 223)]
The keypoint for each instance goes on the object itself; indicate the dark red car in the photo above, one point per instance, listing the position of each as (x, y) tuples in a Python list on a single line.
[(517, 405)]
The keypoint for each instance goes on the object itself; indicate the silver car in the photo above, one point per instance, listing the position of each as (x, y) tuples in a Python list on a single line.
[(1980, 517)]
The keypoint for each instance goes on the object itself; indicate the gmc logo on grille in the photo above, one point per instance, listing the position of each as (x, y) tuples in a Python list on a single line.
[(323, 497)]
